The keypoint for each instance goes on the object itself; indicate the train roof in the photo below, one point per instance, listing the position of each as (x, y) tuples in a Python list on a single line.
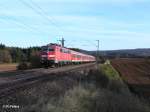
[(76, 52)]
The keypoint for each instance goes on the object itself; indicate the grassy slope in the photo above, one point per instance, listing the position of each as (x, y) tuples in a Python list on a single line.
[(109, 71)]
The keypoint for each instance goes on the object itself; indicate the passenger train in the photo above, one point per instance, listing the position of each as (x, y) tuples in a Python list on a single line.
[(56, 55)]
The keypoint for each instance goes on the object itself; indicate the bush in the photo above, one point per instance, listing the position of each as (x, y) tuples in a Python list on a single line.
[(77, 99), (35, 60), (23, 66), (118, 86), (80, 99), (99, 78), (109, 101)]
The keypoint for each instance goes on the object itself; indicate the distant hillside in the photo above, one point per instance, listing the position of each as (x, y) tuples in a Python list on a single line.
[(132, 53)]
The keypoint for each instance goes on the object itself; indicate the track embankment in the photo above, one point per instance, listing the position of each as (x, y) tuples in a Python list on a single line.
[(31, 77)]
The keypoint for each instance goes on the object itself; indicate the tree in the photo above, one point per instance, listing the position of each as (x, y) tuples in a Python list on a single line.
[(2, 46), (5, 56), (16, 54)]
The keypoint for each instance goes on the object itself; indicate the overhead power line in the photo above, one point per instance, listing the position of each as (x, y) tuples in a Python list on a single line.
[(84, 42), (44, 13), (20, 23), (40, 12)]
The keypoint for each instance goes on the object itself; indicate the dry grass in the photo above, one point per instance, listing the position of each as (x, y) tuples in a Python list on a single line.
[(80, 99), (74, 92)]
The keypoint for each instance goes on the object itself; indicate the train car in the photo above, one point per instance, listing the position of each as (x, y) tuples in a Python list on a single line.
[(54, 54)]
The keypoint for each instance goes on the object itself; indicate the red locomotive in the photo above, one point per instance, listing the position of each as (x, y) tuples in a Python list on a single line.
[(54, 54)]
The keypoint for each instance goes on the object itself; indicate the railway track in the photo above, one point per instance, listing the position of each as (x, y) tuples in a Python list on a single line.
[(35, 76)]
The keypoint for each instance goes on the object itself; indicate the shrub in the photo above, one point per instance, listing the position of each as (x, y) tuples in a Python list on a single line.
[(118, 86), (35, 60), (23, 66), (109, 101), (99, 78), (78, 99)]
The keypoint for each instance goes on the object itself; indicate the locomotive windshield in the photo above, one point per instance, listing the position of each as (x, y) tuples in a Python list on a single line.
[(50, 49), (45, 48)]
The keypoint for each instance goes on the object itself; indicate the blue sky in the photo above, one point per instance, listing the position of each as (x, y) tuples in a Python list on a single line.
[(118, 24)]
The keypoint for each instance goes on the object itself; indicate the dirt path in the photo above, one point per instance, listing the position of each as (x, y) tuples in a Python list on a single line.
[(7, 67)]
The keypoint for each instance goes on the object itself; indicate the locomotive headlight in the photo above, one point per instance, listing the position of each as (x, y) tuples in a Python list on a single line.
[(51, 56)]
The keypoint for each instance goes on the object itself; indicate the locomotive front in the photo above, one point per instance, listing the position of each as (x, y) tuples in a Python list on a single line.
[(48, 55)]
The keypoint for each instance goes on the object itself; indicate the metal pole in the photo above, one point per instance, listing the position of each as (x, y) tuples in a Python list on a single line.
[(62, 42), (97, 52)]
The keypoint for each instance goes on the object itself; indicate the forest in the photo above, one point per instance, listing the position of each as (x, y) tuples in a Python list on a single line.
[(17, 55)]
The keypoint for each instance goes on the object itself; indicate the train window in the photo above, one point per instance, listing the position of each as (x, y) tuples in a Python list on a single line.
[(50, 49), (65, 51), (74, 56), (60, 50), (69, 51), (44, 48), (78, 56)]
